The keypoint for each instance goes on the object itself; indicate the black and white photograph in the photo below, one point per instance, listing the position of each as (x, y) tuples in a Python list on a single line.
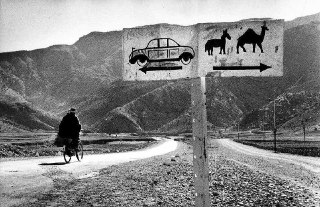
[(159, 103)]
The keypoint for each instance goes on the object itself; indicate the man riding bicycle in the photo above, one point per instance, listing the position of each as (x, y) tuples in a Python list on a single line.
[(69, 129)]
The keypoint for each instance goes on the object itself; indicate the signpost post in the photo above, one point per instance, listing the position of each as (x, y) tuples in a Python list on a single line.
[(200, 142), (168, 52)]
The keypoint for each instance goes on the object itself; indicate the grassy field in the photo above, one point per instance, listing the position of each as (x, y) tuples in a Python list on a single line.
[(285, 142), (41, 144)]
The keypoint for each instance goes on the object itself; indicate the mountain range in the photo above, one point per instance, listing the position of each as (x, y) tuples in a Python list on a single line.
[(37, 88)]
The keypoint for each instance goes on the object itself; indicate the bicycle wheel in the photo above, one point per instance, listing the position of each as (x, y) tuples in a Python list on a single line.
[(79, 152), (66, 157)]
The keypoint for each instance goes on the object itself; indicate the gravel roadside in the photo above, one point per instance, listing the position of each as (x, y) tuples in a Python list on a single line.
[(166, 180)]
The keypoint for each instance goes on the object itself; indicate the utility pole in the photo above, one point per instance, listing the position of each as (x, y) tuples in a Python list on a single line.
[(274, 127), (303, 128), (263, 119), (239, 129), (303, 121)]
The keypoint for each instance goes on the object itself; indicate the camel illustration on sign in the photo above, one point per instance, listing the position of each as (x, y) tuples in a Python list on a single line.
[(161, 50), (217, 43), (251, 37)]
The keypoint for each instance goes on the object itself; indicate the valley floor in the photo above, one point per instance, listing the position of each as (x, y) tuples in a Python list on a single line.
[(239, 176)]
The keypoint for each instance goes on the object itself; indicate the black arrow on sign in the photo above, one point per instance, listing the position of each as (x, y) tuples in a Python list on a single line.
[(160, 68), (261, 67)]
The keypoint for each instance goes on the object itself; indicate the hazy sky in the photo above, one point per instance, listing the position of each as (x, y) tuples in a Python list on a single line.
[(32, 24)]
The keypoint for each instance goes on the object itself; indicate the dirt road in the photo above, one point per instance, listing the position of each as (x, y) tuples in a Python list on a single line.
[(21, 179), (309, 163), (240, 175), (302, 170)]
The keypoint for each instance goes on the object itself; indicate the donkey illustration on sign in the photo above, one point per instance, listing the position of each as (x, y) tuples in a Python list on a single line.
[(217, 43), (251, 37)]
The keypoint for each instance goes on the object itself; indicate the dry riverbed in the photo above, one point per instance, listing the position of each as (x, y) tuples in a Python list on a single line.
[(167, 180)]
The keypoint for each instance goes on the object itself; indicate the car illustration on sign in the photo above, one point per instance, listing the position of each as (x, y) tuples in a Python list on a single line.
[(160, 50)]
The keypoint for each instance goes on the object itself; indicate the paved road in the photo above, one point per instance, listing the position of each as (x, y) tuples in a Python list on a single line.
[(21, 179)]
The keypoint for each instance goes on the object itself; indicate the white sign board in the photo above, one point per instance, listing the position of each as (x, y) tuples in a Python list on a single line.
[(166, 52), (240, 47), (159, 52)]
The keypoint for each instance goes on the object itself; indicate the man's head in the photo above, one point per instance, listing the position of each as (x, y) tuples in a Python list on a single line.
[(72, 110)]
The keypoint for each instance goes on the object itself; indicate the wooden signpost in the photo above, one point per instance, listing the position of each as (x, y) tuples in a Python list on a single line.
[(200, 142), (167, 52)]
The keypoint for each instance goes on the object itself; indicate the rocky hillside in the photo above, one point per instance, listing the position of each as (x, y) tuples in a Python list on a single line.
[(148, 111), (302, 21), (49, 79), (302, 52), (19, 117), (86, 75), (52, 76), (299, 106)]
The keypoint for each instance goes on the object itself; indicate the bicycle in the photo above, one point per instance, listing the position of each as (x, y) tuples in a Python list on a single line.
[(77, 152)]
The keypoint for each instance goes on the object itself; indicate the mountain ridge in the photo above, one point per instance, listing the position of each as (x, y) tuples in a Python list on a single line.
[(87, 75)]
